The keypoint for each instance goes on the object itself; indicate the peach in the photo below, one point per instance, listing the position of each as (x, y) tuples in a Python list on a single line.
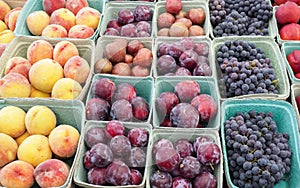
[(51, 173), (181, 14), (44, 73), (81, 32), (3, 26), (17, 174), (40, 120), (4, 9), (12, 19), (34, 149), (8, 14), (6, 36), (173, 6), (63, 51), (21, 138), (140, 71), (8, 149), (103, 65), (77, 68), (35, 93), (178, 29), (51, 5), (143, 57), (14, 85), (63, 140), (165, 20), (88, 16), (128, 59), (196, 15), (290, 32), (196, 30), (187, 22), (18, 65), (37, 21), (55, 31), (66, 88), (63, 17), (163, 32), (38, 50), (288, 12), (2, 48), (76, 5)]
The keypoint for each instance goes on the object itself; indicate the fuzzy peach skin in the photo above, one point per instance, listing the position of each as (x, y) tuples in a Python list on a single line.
[(66, 88), (38, 50), (18, 65), (35, 93), (14, 85), (4, 9), (63, 51), (51, 5), (37, 21), (44, 74), (21, 138), (77, 68), (63, 17), (81, 32), (76, 5), (8, 14), (3, 26), (8, 149), (51, 173), (63, 140), (12, 19), (6, 36), (88, 16), (17, 174), (55, 31)]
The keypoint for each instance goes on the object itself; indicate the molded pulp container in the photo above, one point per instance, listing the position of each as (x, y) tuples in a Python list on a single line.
[(286, 49), (171, 40), (15, 3), (112, 9), (34, 5), (272, 51), (67, 112), (19, 46), (144, 87), (286, 121), (105, 40), (80, 174), (186, 6), (176, 134), (295, 92), (207, 86)]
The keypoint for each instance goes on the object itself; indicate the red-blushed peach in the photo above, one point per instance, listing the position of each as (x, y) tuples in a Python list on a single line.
[(44, 74), (290, 32), (14, 85), (76, 5), (21, 138), (34, 149), (17, 174), (88, 16), (6, 36), (63, 140), (51, 173), (66, 88), (4, 9), (35, 93), (103, 65), (63, 51), (77, 68), (2, 48), (196, 30), (63, 17), (81, 32), (196, 15), (51, 5), (18, 65), (38, 50), (37, 21), (8, 149), (121, 69), (163, 32), (55, 31), (3, 26), (8, 14), (143, 58), (178, 29), (12, 19)]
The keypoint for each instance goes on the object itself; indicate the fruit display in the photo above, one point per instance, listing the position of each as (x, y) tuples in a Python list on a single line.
[(279, 2), (185, 159), (64, 66), (125, 100), (184, 57), (229, 18), (133, 21), (113, 154), (176, 18), (124, 57), (35, 139)]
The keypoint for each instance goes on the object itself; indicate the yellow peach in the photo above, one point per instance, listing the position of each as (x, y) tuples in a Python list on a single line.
[(35, 93), (3, 26), (37, 21), (77, 68), (54, 31), (8, 149), (4, 9), (63, 17), (66, 88), (21, 138), (18, 65), (88, 16), (12, 19), (14, 85), (63, 51), (38, 50), (6, 36)]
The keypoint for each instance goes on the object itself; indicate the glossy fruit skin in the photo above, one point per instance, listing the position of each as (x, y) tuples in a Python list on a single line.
[(184, 147), (114, 128), (205, 180), (166, 64), (137, 158), (161, 179), (294, 61), (120, 146), (101, 155), (190, 167), (138, 137), (209, 153), (125, 16), (167, 159), (206, 106), (200, 140), (179, 182), (161, 143), (186, 90), (142, 13), (118, 173), (121, 110), (165, 102), (104, 88), (124, 91), (180, 118), (97, 109), (188, 59), (136, 177)]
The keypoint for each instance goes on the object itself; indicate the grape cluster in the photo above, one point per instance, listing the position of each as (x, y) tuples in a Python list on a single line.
[(218, 12), (245, 69), (258, 156)]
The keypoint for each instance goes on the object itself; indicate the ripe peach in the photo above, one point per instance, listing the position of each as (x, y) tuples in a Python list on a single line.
[(8, 14), (55, 31), (165, 20), (17, 174), (88, 16), (77, 69), (143, 57), (63, 17), (290, 32), (173, 6), (103, 65), (163, 32), (63, 140), (38, 50), (63, 51), (34, 149), (51, 173), (21, 138), (178, 29), (66, 88), (76, 5), (44, 74), (196, 30), (18, 65), (6, 36), (3, 26), (51, 5), (81, 32), (8, 149), (4, 9), (37, 21), (121, 69), (35, 93), (288, 12), (196, 15), (294, 60), (12, 19), (14, 85), (187, 22)]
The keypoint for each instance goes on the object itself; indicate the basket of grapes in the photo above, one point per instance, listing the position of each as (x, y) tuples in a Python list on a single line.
[(260, 142), (250, 68)]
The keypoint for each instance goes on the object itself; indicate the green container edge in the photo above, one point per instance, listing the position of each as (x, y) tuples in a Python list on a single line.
[(286, 49)]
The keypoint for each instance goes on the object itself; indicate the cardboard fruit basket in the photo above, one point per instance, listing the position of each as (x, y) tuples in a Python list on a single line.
[(283, 115), (66, 112), (286, 49), (80, 173), (19, 46), (15, 3), (295, 92)]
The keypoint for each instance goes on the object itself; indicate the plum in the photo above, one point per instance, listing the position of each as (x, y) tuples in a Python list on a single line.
[(196, 15), (143, 57), (117, 173), (165, 64), (180, 118), (120, 146), (104, 88), (136, 158), (138, 137), (142, 13), (140, 108), (206, 106), (101, 155), (165, 102), (112, 32), (93, 136), (121, 69), (134, 46), (114, 128), (96, 176), (173, 6), (128, 30), (143, 26), (125, 16), (97, 109), (186, 90), (163, 49), (167, 159), (160, 179), (136, 177), (202, 49), (202, 69), (181, 71), (121, 110), (140, 71), (124, 91), (114, 24), (188, 59)]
